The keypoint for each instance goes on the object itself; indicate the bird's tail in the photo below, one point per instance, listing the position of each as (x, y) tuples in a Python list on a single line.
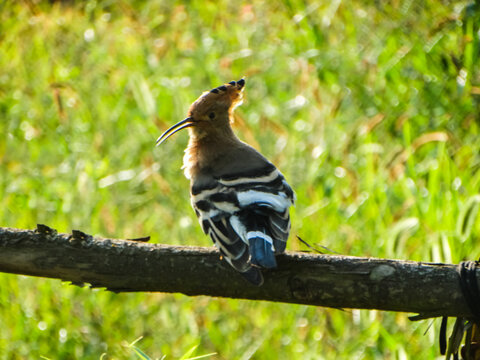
[(242, 265), (262, 252)]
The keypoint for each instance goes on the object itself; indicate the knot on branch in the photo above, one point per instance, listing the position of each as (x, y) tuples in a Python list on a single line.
[(468, 326), (80, 238), (46, 231), (469, 286)]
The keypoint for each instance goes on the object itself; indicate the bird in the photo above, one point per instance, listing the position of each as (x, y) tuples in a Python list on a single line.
[(241, 199)]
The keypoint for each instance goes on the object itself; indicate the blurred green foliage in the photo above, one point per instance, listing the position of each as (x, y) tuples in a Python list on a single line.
[(370, 109)]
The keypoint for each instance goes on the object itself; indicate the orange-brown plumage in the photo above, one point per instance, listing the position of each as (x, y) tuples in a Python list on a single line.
[(211, 136), (223, 98)]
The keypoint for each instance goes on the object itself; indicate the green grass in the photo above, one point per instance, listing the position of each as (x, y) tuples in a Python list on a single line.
[(371, 112)]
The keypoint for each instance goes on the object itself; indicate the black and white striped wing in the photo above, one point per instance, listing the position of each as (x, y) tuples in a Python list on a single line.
[(214, 205), (246, 215), (264, 198)]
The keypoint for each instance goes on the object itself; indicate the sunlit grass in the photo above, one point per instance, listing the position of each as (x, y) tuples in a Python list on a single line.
[(371, 112)]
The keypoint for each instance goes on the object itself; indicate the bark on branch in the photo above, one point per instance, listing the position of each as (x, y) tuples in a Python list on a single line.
[(429, 289)]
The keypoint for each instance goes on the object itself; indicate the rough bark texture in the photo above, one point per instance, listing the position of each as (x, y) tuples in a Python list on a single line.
[(322, 280)]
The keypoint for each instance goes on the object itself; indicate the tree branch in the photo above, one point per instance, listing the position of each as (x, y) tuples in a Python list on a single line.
[(430, 289)]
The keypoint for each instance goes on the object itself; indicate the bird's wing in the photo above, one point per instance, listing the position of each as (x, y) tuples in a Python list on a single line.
[(264, 198), (214, 204), (247, 208)]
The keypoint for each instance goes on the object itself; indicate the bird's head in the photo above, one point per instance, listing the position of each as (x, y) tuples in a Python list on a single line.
[(212, 110)]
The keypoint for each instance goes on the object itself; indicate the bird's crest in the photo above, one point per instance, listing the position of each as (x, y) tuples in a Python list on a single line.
[(221, 100), (230, 94)]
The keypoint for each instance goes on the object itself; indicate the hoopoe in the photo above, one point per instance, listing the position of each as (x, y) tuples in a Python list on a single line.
[(240, 198)]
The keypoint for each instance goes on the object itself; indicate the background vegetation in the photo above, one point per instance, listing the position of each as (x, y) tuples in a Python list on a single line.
[(370, 109)]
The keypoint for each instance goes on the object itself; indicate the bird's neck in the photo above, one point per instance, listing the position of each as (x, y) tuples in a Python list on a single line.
[(205, 147)]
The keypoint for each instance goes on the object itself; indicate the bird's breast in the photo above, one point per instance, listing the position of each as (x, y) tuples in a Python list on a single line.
[(207, 154), (189, 163), (197, 158)]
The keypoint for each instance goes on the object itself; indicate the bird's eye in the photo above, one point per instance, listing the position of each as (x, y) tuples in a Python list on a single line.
[(211, 115)]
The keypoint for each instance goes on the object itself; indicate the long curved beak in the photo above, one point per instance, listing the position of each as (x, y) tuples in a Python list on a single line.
[(177, 127)]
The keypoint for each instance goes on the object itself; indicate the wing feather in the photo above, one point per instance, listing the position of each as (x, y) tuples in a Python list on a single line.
[(246, 215)]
